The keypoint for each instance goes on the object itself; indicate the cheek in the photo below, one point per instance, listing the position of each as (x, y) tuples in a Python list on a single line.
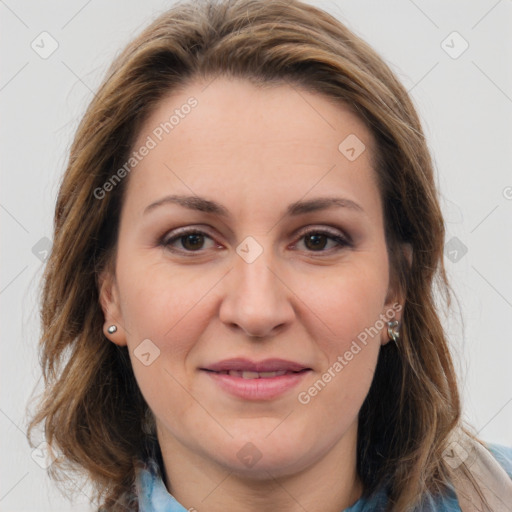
[(159, 301), (344, 319), (163, 305), (347, 333), (347, 303)]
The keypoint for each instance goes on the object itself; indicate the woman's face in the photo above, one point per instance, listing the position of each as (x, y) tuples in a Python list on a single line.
[(251, 282)]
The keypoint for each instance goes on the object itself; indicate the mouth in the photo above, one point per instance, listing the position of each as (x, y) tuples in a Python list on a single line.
[(250, 380), (247, 374), (267, 366)]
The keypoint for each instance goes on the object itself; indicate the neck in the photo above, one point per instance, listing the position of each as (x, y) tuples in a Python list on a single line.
[(329, 484)]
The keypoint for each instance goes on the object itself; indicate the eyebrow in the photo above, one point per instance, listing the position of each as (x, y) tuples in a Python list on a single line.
[(297, 208)]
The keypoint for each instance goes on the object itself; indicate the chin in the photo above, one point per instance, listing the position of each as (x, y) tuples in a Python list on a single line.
[(266, 456), (268, 467)]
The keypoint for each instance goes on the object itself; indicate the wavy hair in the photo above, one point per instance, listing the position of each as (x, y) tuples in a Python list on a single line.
[(93, 413)]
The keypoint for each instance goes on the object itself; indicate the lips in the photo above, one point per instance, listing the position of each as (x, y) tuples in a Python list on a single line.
[(265, 368), (251, 380), (254, 375)]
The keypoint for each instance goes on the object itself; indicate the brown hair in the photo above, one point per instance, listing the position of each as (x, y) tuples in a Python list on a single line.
[(93, 412)]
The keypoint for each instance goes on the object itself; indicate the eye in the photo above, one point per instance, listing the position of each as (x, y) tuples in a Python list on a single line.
[(317, 240), (186, 240)]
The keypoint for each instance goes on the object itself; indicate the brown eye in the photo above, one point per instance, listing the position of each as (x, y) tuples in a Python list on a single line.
[(187, 241), (192, 241), (319, 240), (316, 241)]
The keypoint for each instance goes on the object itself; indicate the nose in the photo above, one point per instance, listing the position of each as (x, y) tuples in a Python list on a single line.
[(257, 299)]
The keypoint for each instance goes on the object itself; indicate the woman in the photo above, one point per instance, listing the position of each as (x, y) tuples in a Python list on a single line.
[(238, 311)]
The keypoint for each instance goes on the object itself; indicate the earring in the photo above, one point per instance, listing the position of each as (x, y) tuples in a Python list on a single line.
[(112, 329), (393, 331)]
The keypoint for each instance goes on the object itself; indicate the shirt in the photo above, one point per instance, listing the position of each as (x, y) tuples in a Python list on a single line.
[(154, 497)]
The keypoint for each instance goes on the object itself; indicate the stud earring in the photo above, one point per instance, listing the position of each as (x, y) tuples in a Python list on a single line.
[(393, 331), (112, 329)]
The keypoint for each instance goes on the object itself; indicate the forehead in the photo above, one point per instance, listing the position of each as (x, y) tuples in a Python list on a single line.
[(230, 134)]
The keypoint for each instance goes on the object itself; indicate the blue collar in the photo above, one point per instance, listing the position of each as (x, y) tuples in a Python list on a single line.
[(151, 491)]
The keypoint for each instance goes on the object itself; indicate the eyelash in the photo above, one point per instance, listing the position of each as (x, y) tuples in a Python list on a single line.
[(166, 242)]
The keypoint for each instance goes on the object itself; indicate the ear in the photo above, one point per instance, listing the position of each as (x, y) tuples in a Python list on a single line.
[(109, 300), (395, 300)]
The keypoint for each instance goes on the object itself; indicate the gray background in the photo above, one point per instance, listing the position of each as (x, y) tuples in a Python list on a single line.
[(465, 102)]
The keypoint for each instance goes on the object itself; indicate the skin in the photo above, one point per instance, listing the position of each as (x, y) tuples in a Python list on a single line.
[(255, 151)]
